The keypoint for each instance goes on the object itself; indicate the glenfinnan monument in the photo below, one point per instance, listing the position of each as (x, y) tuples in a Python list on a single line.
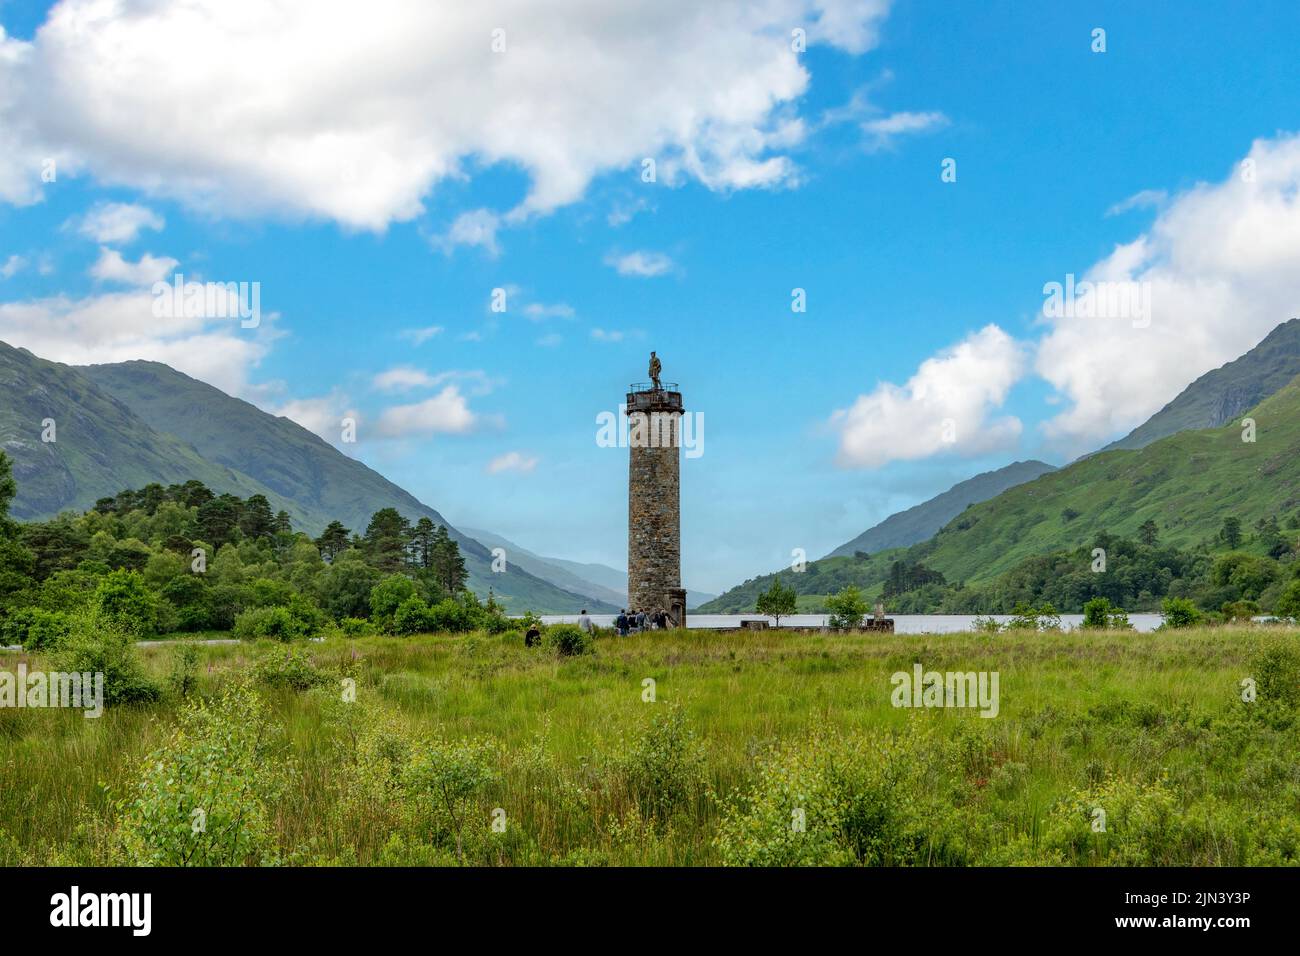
[(654, 534)]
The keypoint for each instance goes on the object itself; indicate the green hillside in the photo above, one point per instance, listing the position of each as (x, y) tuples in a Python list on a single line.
[(101, 446), (921, 521), (299, 465), (1187, 484), (128, 425), (1219, 396)]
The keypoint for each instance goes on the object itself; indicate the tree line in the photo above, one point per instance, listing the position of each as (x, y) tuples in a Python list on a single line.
[(183, 558)]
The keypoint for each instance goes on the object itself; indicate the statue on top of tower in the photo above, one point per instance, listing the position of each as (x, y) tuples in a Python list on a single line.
[(655, 367)]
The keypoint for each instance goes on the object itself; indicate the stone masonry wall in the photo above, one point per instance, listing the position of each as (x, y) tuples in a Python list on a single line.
[(654, 501)]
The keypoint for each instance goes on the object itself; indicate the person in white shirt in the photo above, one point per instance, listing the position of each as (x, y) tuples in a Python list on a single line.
[(584, 621)]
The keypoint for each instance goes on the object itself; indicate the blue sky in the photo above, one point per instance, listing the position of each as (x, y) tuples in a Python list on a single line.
[(375, 188)]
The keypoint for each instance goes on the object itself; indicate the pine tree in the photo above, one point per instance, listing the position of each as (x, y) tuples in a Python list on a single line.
[(387, 537), (422, 539), (448, 565), (333, 540)]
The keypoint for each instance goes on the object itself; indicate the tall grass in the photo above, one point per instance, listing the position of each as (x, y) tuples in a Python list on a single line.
[(444, 731)]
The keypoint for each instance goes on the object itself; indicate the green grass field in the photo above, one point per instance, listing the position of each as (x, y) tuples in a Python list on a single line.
[(759, 748)]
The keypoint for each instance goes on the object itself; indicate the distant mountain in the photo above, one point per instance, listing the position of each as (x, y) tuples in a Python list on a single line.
[(1220, 396), (99, 446), (126, 425), (921, 521), (1186, 483), (598, 580)]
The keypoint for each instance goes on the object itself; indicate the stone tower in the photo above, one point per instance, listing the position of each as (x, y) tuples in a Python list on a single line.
[(654, 538)]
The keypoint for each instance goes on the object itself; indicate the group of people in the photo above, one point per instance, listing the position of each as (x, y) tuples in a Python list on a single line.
[(633, 622)]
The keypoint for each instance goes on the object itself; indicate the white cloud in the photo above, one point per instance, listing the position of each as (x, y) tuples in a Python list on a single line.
[(883, 130), (116, 222), (641, 264), (1220, 264), (420, 336), (448, 412), (370, 113), (1146, 199), (606, 335), (538, 311), (120, 326), (111, 267), (512, 461), (323, 415), (944, 407), (13, 265), (403, 378), (478, 227)]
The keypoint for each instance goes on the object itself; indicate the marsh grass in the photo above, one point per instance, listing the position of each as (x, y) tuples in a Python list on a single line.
[(589, 773)]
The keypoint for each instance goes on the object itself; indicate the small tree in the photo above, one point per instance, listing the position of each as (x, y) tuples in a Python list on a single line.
[(1288, 604), (1148, 533), (1231, 532), (847, 608), (1180, 612), (1096, 613), (777, 601)]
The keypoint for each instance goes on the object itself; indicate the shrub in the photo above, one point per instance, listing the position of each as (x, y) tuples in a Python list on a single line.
[(388, 595), (569, 639), (123, 599), (1288, 603), (446, 775), (1277, 669), (411, 617), (277, 623), (847, 608), (1239, 610), (449, 616), (875, 800), (356, 627), (1180, 612), (290, 669), (206, 798), (1096, 613), (35, 629), (98, 646), (184, 676), (663, 765)]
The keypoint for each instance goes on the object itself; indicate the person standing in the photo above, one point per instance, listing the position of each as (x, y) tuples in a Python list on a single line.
[(620, 622), (584, 621)]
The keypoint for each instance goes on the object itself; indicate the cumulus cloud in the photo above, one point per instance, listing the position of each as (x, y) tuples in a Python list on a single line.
[(945, 407), (1219, 266), (117, 223), (448, 412), (478, 227), (512, 461), (118, 327), (112, 267), (607, 335), (370, 113), (323, 415), (641, 264)]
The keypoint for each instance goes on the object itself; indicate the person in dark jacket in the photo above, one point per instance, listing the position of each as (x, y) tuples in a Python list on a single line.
[(533, 637), (620, 622)]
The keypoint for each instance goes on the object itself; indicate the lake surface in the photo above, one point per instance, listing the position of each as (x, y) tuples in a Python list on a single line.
[(903, 623)]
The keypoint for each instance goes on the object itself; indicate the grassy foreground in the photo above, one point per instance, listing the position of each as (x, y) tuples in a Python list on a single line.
[(757, 748)]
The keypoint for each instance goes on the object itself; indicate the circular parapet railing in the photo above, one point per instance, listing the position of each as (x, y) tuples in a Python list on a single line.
[(650, 387)]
